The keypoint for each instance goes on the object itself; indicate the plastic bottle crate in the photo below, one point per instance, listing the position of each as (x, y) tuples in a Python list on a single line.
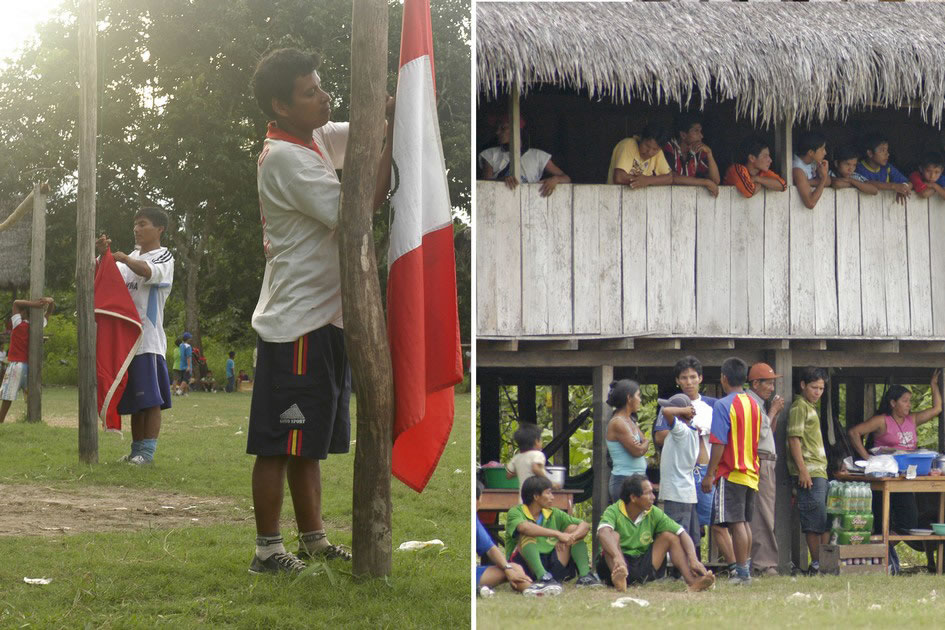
[(848, 559)]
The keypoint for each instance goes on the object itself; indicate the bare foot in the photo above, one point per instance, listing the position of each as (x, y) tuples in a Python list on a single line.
[(703, 583), (619, 578)]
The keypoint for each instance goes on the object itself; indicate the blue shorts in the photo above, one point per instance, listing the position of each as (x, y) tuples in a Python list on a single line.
[(812, 506), (479, 571), (703, 499), (149, 385)]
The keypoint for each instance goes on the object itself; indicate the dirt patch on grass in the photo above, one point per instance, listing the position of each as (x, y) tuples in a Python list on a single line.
[(30, 510)]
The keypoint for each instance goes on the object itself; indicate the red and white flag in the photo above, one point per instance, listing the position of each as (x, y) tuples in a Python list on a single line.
[(422, 320), (116, 340)]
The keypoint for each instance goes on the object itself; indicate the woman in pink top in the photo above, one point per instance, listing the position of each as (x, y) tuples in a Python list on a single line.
[(895, 427)]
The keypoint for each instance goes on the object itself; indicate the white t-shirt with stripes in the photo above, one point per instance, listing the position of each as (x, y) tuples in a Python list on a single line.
[(149, 296)]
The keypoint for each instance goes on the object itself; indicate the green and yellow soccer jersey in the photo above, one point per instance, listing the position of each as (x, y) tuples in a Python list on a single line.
[(550, 518), (637, 536)]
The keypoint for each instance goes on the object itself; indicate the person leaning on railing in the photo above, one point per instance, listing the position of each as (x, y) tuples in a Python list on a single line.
[(639, 162), (690, 159), (536, 165)]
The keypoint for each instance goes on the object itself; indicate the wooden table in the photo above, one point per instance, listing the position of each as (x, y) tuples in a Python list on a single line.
[(889, 485), (496, 500)]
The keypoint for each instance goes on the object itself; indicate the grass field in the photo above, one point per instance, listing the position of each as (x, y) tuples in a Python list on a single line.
[(170, 544), (834, 602)]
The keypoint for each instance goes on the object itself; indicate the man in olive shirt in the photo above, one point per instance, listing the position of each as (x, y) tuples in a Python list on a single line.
[(635, 537), (546, 541)]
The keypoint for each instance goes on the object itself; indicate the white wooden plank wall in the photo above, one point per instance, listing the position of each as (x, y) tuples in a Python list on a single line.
[(849, 310), (633, 235), (659, 264), (802, 266), (777, 296), (919, 285), (712, 261), (673, 260), (896, 267), (872, 263), (823, 257), (682, 289), (937, 263)]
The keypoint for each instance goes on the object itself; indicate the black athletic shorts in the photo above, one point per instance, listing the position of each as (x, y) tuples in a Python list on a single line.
[(301, 396), (639, 568), (552, 564)]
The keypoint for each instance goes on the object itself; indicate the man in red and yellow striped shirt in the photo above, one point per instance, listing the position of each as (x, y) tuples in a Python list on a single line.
[(733, 465)]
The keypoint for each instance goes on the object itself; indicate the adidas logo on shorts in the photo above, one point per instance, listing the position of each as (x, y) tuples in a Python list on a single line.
[(292, 415)]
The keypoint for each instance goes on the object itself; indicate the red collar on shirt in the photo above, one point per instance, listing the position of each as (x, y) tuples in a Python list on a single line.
[(275, 133)]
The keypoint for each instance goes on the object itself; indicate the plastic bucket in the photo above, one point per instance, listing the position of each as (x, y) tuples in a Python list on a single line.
[(922, 462)]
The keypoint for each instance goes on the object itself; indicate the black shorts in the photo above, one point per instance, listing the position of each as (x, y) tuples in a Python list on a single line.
[(552, 564), (732, 503), (639, 568), (301, 397)]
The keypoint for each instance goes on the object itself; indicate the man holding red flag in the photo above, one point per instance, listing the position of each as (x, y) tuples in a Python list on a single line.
[(422, 319)]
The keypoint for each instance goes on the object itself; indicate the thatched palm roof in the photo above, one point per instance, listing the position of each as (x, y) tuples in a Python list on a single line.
[(818, 60)]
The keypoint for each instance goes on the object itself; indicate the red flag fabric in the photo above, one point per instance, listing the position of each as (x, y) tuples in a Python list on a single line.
[(116, 340), (422, 319)]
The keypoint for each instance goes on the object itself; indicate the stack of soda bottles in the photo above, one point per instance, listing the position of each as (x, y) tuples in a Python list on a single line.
[(850, 507)]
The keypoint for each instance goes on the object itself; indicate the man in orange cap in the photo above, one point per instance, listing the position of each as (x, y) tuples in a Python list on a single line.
[(764, 546)]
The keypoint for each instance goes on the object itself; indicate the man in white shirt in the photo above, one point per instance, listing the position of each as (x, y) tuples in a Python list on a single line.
[(299, 411), (148, 272)]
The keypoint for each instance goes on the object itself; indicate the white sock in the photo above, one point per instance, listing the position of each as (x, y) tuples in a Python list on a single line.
[(267, 546), (313, 541)]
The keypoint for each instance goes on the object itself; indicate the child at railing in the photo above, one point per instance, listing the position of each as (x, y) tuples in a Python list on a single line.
[(810, 170), (639, 162), (928, 180), (844, 173), (755, 169), (689, 158), (875, 167), (536, 165)]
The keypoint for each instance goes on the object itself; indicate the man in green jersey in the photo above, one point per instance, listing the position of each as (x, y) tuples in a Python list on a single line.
[(635, 537), (546, 541)]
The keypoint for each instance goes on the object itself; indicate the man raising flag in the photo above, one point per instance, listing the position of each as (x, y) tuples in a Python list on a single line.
[(422, 320)]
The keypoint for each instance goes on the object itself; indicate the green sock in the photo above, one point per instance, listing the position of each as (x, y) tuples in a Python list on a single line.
[(579, 554), (529, 551)]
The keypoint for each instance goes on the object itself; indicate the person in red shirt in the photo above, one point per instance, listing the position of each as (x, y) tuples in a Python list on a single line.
[(928, 180), (15, 377)]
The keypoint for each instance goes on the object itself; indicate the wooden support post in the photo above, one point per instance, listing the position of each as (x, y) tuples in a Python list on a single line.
[(603, 375), (941, 437), (854, 402), (490, 442), (869, 400), (527, 409), (784, 147), (559, 420), (782, 361), (85, 233), (515, 117), (365, 324), (34, 400)]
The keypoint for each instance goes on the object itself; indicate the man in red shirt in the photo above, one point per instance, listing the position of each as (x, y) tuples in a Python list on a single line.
[(15, 376)]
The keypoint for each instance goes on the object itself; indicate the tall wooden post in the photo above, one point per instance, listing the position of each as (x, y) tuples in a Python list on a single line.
[(515, 146), (85, 233), (559, 419), (784, 387), (490, 439), (603, 375), (34, 400), (527, 403), (783, 146), (365, 327)]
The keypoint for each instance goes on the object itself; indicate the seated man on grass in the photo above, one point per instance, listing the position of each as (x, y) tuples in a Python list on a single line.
[(546, 541), (635, 537)]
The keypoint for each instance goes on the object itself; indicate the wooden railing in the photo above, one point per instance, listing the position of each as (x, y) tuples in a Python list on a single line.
[(609, 261)]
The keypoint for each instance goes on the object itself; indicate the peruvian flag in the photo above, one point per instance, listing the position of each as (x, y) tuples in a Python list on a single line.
[(116, 340), (422, 320)]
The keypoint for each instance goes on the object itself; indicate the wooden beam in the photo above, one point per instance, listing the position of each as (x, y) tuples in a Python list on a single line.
[(782, 362), (490, 441), (515, 117), (547, 344), (762, 344), (506, 345), (559, 420), (623, 343), (645, 343), (886, 346), (784, 147), (708, 344), (910, 345), (808, 344), (34, 401), (365, 330), (854, 402), (85, 233), (603, 375), (527, 408)]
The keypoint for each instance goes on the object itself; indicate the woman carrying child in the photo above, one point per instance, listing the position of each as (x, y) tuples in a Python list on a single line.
[(625, 441)]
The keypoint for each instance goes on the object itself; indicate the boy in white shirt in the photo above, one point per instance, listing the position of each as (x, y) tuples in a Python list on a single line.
[(148, 272), (299, 411)]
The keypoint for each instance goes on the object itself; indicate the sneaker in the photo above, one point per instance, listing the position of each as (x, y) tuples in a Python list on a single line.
[(327, 553), (812, 571), (124, 459), (277, 563), (588, 580), (739, 580), (543, 588), (140, 460), (485, 592)]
